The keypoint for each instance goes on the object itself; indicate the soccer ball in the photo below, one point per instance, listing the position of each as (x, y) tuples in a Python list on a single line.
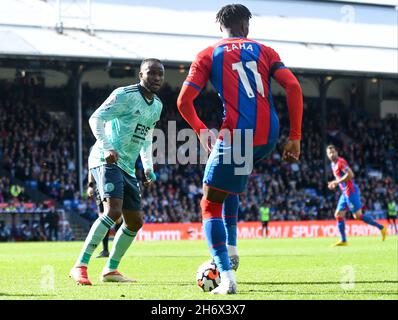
[(208, 276)]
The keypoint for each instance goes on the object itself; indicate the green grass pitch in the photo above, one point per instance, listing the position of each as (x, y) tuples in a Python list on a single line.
[(269, 269)]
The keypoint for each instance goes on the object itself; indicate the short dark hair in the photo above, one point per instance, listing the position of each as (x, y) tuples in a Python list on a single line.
[(331, 146), (150, 60), (230, 14)]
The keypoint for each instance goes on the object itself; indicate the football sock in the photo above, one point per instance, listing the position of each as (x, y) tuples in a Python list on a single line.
[(369, 220), (341, 226), (97, 232), (214, 228), (230, 215), (123, 239), (227, 276)]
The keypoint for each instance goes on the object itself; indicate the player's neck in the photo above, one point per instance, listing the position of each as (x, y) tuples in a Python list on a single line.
[(146, 93), (234, 34), (230, 36)]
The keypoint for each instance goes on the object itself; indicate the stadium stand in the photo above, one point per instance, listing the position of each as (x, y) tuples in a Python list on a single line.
[(36, 149)]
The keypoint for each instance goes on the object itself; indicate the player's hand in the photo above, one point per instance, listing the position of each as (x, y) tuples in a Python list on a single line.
[(207, 139), (111, 156), (332, 185), (150, 177), (291, 152), (90, 192)]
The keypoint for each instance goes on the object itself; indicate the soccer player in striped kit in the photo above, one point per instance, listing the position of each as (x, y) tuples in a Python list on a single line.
[(350, 198), (240, 70)]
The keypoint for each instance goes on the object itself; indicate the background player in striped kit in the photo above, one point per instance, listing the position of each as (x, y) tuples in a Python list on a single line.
[(350, 198), (240, 70)]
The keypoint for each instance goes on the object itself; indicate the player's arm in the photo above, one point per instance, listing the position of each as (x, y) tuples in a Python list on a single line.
[(198, 75), (90, 184), (348, 175), (294, 99), (146, 158), (112, 108)]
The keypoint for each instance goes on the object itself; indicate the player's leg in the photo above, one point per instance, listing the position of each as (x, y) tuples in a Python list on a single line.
[(359, 215), (266, 228), (339, 214), (356, 207), (216, 235), (230, 216), (389, 218), (122, 241), (263, 231), (219, 181), (110, 184), (340, 218), (133, 221), (392, 221), (394, 224), (105, 252)]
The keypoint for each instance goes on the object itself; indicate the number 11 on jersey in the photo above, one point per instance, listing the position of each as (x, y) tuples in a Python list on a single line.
[(252, 65)]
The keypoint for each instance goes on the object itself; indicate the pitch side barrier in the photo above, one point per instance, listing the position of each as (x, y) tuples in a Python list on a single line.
[(253, 230)]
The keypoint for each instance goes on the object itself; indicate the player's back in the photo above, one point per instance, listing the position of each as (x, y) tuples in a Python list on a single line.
[(241, 72)]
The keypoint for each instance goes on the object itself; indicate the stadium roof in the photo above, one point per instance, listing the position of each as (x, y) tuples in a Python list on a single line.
[(323, 39)]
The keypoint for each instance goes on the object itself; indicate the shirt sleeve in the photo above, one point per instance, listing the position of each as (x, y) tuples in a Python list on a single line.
[(146, 151), (275, 62), (343, 166), (112, 108), (199, 72)]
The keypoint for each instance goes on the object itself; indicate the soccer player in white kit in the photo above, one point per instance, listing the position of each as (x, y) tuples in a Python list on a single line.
[(123, 126)]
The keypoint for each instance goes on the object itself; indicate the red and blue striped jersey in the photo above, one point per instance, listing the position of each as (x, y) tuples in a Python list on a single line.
[(240, 70), (339, 169)]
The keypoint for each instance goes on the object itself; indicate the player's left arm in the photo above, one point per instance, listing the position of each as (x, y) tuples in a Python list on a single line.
[(294, 99), (147, 159), (90, 184), (348, 175)]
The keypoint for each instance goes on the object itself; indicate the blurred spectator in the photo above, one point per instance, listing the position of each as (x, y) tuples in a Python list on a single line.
[(39, 149)]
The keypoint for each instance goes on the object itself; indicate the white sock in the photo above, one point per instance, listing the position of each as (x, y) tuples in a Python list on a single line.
[(232, 251), (227, 276)]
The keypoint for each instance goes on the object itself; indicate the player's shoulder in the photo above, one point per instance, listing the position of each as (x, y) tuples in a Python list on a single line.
[(123, 92), (132, 87), (342, 161), (130, 90), (269, 50), (207, 52)]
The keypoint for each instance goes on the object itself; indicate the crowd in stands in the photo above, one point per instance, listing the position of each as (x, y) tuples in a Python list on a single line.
[(38, 149)]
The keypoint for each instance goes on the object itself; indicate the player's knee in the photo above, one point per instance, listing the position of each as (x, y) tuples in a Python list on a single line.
[(339, 218), (338, 215), (358, 216), (114, 213), (135, 227), (134, 222), (210, 209)]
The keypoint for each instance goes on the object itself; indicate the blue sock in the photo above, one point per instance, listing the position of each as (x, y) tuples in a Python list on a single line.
[(230, 215), (216, 238), (369, 220), (341, 225)]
